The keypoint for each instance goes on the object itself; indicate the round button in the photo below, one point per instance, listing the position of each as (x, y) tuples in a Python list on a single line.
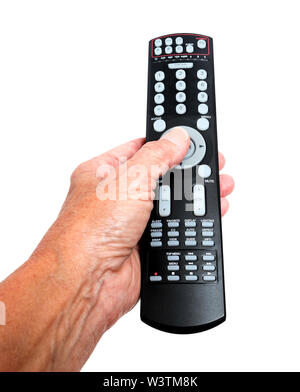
[(180, 97), (159, 125), (202, 97), (179, 49), (168, 41), (202, 124), (203, 108), (168, 49), (201, 44), (180, 85), (180, 108), (159, 87), (158, 42), (159, 98), (190, 151), (180, 74), (189, 48), (202, 85), (179, 40), (159, 76), (204, 171), (202, 74), (157, 51), (159, 110)]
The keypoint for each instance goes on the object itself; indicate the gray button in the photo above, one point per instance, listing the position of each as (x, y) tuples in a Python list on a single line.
[(208, 258), (179, 49), (157, 51), (173, 277), (159, 87), (208, 243), (180, 108), (191, 267), (180, 97), (180, 74), (155, 244), (207, 233), (173, 224), (173, 243), (159, 76), (191, 277), (180, 65), (164, 200), (159, 110), (158, 42), (199, 200), (208, 268), (209, 278), (173, 233), (190, 257), (180, 85), (155, 278), (159, 125), (173, 267), (204, 171), (190, 233), (179, 40), (156, 225), (207, 224), (202, 97), (190, 224), (190, 243), (156, 234), (203, 124), (173, 258)]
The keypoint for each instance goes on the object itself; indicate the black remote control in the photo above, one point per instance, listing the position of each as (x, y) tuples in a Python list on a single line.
[(181, 250)]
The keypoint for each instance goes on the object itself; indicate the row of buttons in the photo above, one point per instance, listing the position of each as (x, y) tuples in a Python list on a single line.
[(188, 233), (187, 223), (205, 278), (209, 257), (188, 243), (189, 48)]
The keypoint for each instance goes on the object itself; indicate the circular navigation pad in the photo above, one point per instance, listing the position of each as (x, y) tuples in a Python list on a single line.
[(196, 151)]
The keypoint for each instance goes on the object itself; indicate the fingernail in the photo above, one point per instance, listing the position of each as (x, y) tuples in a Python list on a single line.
[(178, 136)]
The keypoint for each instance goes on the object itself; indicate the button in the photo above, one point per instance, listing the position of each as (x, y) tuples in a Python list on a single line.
[(173, 233), (180, 97), (191, 267), (180, 85), (202, 85), (202, 124), (201, 74), (156, 234), (156, 225), (159, 76), (173, 224), (207, 224), (157, 51), (189, 233), (158, 42), (208, 243), (202, 97), (168, 41), (190, 151), (204, 171), (209, 268), (208, 258), (159, 125), (190, 257), (190, 243), (155, 244), (159, 87), (173, 258), (180, 74), (180, 108), (156, 278), (180, 65), (179, 40), (209, 278), (201, 44), (203, 108), (179, 49), (190, 224), (173, 267), (159, 98), (159, 110), (173, 243), (189, 48), (168, 49), (191, 277), (207, 233), (164, 200), (199, 200), (173, 277)]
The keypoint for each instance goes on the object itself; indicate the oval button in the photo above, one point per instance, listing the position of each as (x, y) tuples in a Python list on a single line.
[(203, 124), (159, 125)]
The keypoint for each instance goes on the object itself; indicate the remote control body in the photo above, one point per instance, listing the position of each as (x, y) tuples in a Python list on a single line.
[(182, 288)]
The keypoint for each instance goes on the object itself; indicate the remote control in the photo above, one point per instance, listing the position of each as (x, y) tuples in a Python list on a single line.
[(181, 249)]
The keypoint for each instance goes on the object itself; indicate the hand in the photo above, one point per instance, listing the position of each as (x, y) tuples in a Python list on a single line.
[(90, 253)]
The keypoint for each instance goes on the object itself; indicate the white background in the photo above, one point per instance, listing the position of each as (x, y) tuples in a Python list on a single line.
[(73, 84)]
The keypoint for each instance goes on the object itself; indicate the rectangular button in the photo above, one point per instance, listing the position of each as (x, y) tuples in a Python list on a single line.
[(191, 267), (199, 200), (173, 258), (190, 257), (173, 224), (208, 268), (156, 225), (164, 208), (190, 243), (207, 233), (156, 234), (208, 243), (208, 258), (173, 277), (173, 243), (155, 244), (173, 233), (190, 224), (191, 277), (180, 65), (209, 278), (155, 278), (173, 267), (207, 224), (189, 233)]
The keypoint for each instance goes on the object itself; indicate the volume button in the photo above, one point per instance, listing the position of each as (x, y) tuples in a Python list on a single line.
[(164, 200)]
